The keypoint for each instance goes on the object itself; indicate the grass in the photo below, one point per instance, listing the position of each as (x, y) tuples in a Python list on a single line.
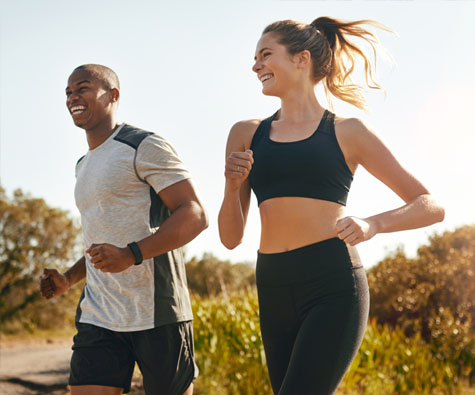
[(230, 355), (231, 358)]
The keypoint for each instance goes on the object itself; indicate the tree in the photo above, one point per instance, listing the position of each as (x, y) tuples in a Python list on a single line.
[(209, 276), (432, 294), (32, 236)]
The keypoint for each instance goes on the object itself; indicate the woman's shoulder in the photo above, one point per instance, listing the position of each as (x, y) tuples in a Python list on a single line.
[(353, 129), (350, 125), (246, 126), (357, 139), (242, 132)]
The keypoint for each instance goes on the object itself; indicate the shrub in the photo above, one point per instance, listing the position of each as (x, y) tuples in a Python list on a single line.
[(231, 358), (209, 276), (431, 295), (32, 236)]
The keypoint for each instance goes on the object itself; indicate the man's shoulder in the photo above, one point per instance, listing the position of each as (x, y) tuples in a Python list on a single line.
[(132, 135), (80, 159)]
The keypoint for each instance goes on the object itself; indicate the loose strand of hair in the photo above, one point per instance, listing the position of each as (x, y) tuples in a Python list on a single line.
[(345, 54)]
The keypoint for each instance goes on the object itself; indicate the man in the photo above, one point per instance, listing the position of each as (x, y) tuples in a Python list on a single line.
[(138, 207)]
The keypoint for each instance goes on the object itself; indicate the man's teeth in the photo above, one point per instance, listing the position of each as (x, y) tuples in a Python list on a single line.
[(266, 77), (77, 109)]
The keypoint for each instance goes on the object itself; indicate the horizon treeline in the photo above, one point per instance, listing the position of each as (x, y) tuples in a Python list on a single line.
[(428, 298)]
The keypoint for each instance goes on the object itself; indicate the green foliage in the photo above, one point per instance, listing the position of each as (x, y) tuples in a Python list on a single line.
[(32, 236), (431, 295), (420, 339), (389, 362), (228, 345), (210, 276), (231, 358)]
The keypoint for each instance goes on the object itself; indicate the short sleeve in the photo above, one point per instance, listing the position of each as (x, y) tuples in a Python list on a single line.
[(158, 164)]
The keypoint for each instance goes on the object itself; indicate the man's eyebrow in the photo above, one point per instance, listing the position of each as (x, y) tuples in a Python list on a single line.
[(79, 83), (261, 50)]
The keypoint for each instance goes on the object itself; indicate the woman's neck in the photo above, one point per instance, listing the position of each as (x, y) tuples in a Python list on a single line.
[(300, 105)]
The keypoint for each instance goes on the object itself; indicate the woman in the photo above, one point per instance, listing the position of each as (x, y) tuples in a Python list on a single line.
[(312, 288)]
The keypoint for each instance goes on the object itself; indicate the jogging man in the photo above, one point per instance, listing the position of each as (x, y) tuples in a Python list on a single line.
[(138, 206)]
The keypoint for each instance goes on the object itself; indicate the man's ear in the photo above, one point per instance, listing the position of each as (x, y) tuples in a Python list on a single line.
[(115, 95)]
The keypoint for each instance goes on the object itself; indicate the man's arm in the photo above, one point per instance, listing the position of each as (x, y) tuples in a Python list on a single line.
[(53, 283), (188, 219)]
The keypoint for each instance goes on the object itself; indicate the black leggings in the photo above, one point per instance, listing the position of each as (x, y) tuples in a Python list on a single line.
[(313, 305)]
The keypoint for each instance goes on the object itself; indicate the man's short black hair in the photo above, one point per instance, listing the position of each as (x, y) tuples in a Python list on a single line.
[(102, 73)]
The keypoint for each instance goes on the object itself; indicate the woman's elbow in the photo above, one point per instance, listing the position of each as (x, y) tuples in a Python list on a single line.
[(440, 216), (229, 242), (230, 245), (436, 210)]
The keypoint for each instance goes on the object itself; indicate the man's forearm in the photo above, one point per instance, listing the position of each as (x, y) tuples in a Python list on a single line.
[(183, 225), (76, 272)]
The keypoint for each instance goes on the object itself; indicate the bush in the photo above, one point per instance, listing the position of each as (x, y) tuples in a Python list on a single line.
[(209, 276), (228, 346), (389, 362), (231, 358), (33, 236), (431, 295)]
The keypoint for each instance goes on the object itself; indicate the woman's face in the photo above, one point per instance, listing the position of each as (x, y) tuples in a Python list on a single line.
[(274, 66)]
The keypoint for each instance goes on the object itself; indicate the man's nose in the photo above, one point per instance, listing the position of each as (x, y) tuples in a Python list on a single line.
[(72, 96)]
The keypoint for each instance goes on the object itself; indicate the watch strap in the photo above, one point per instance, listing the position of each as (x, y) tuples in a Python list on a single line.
[(134, 247)]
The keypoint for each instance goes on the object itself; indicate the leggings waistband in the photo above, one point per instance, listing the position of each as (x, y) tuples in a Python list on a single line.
[(317, 260)]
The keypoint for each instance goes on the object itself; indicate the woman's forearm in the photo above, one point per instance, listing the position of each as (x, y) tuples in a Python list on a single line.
[(420, 212), (231, 219)]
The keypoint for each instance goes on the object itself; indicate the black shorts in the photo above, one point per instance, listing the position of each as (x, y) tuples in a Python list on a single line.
[(164, 354)]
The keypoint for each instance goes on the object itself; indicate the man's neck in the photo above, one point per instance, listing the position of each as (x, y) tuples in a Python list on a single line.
[(100, 133)]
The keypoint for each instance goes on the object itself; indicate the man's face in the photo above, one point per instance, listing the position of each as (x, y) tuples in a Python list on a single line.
[(88, 100)]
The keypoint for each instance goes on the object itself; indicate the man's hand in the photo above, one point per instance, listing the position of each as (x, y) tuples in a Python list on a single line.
[(109, 258), (52, 283)]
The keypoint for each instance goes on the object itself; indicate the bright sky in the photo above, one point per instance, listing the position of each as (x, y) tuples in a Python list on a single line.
[(185, 71)]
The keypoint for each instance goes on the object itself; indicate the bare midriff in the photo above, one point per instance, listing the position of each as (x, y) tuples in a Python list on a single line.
[(292, 222)]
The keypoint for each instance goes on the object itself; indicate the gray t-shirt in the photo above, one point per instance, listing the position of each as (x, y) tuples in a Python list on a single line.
[(117, 186)]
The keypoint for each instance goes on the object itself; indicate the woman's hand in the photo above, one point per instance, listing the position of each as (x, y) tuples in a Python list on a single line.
[(238, 166), (354, 230)]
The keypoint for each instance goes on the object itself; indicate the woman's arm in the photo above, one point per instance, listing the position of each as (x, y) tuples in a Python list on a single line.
[(361, 146), (237, 194)]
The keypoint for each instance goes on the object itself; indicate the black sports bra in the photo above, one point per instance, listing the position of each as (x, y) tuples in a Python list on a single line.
[(313, 167)]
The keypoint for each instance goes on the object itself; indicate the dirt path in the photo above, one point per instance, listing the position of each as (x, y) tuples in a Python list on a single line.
[(34, 369), (39, 368)]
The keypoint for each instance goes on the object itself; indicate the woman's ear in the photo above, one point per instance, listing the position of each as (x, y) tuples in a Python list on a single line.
[(303, 59)]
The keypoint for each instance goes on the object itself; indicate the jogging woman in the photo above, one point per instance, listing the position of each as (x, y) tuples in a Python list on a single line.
[(300, 162)]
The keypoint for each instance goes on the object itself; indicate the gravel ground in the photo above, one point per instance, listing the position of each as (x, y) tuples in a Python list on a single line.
[(39, 368)]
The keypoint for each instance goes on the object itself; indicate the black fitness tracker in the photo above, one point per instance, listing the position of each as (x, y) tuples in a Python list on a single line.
[(134, 247)]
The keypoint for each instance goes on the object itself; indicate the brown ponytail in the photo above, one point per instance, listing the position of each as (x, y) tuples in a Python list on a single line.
[(333, 55)]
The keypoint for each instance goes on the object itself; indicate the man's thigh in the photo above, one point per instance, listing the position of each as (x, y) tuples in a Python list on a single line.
[(101, 358), (165, 356), (94, 390)]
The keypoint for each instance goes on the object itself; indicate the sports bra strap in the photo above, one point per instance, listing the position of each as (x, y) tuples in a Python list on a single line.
[(263, 127)]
